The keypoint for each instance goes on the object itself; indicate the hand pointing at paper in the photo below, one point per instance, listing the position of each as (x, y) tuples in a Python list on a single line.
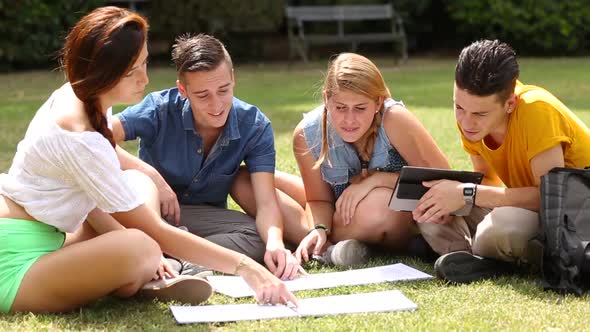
[(268, 288)]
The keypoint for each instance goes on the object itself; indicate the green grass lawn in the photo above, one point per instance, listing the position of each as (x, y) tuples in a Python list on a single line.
[(284, 92)]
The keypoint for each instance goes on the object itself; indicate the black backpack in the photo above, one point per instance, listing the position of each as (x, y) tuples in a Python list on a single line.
[(565, 230)]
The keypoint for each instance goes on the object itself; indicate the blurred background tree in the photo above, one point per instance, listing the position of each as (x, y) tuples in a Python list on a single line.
[(254, 30), (540, 27), (241, 24), (33, 30)]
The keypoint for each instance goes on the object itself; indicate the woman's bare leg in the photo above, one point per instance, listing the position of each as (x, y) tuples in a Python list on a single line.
[(292, 185), (118, 262), (86, 268), (374, 223)]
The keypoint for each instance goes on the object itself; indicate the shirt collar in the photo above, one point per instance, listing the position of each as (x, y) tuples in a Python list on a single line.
[(187, 116), (231, 126)]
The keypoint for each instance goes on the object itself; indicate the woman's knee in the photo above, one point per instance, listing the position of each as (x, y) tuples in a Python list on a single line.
[(143, 243), (140, 257), (141, 253), (373, 221), (373, 209)]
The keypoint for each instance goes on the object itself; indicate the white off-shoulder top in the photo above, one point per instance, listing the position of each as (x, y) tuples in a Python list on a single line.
[(59, 176)]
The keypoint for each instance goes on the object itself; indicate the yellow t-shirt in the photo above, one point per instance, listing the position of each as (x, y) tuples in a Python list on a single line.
[(539, 122)]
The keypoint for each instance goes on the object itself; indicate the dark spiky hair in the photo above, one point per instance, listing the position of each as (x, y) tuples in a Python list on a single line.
[(487, 67)]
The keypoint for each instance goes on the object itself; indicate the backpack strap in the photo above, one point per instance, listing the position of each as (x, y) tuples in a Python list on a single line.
[(586, 258)]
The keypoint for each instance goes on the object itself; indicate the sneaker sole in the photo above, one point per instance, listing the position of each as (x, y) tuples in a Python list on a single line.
[(185, 290)]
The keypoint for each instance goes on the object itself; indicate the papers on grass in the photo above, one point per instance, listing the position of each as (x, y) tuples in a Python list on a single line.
[(320, 306), (237, 287)]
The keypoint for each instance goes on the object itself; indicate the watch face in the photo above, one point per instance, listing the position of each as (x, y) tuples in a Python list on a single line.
[(467, 191)]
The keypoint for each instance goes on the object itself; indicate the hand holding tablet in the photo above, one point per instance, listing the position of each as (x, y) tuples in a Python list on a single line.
[(409, 188)]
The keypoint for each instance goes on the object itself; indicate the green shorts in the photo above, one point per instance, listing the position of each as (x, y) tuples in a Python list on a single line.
[(22, 242)]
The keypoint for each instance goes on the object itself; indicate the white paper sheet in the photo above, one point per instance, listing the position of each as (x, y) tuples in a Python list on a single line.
[(385, 301), (237, 287)]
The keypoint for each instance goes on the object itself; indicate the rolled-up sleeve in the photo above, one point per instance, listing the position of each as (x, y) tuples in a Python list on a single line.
[(261, 155), (141, 120)]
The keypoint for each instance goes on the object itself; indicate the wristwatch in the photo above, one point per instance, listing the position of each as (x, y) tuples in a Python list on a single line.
[(469, 192)]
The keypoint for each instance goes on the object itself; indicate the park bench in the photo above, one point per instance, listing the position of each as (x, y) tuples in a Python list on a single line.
[(302, 35)]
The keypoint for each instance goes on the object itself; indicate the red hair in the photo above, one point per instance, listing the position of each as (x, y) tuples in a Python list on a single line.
[(101, 48)]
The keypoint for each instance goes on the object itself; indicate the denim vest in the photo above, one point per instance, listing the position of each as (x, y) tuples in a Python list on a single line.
[(342, 160)]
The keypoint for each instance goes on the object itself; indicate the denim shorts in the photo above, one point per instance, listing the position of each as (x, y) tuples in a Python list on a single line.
[(22, 242)]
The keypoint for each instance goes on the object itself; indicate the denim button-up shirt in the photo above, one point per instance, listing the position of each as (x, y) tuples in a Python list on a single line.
[(170, 143)]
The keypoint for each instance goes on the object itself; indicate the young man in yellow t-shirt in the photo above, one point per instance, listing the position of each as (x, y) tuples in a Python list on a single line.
[(514, 134)]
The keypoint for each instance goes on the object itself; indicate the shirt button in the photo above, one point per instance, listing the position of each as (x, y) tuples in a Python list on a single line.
[(199, 150), (186, 195), (195, 180)]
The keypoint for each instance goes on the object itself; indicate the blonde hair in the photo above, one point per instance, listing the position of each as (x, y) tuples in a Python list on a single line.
[(355, 73)]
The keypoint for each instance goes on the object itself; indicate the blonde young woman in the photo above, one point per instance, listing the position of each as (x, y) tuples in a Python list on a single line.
[(66, 205), (349, 151)]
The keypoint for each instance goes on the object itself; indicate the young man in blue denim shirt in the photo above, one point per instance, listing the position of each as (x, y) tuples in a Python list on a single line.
[(193, 139)]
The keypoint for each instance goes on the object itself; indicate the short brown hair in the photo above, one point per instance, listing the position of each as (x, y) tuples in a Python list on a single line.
[(201, 52)]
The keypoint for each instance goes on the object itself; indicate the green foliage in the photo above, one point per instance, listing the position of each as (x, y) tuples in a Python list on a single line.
[(425, 23), (33, 30), (532, 26), (235, 22), (209, 16)]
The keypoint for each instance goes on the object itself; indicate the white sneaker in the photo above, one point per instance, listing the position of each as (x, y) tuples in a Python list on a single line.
[(184, 289), (346, 253)]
